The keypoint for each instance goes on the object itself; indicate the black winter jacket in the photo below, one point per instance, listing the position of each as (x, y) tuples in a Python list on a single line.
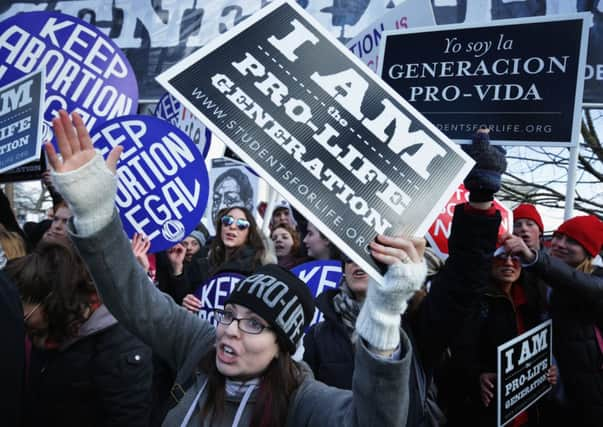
[(100, 379), (328, 350), (576, 306)]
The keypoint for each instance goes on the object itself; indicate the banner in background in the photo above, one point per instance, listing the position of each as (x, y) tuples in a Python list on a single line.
[(84, 70), (162, 183), (214, 292), (156, 35), (319, 276), (21, 121), (522, 78), (320, 128), (168, 108), (523, 363), (408, 14)]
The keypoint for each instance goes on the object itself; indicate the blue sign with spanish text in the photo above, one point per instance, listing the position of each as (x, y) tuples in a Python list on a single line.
[(20, 121), (162, 179), (85, 71)]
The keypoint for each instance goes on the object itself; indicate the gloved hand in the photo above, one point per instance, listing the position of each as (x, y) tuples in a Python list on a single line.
[(484, 179), (90, 192), (379, 319)]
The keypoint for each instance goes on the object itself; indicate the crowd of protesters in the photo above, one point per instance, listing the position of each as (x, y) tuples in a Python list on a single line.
[(110, 334)]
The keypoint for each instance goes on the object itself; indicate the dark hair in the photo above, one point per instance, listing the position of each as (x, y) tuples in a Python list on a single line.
[(278, 382), (294, 236), (217, 251), (54, 275), (334, 252)]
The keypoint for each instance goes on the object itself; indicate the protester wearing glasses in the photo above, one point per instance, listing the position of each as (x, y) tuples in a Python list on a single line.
[(240, 378), (576, 307), (85, 368)]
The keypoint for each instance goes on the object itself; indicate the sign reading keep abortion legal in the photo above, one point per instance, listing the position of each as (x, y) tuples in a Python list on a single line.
[(162, 183), (523, 78), (321, 128), (85, 70), (20, 121), (168, 108)]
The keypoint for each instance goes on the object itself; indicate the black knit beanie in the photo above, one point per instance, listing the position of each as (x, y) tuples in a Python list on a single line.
[(280, 298)]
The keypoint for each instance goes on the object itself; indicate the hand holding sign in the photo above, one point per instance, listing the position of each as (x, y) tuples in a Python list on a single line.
[(379, 319), (486, 383)]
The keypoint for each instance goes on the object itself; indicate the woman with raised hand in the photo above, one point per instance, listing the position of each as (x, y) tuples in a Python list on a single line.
[(576, 307), (242, 371)]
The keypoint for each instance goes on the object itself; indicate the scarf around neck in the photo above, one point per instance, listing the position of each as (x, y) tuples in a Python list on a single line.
[(347, 307)]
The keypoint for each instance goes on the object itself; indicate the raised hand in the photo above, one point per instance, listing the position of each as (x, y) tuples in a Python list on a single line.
[(140, 247), (175, 256), (75, 145)]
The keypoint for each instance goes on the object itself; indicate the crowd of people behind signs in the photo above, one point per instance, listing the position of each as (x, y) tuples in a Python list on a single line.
[(98, 332)]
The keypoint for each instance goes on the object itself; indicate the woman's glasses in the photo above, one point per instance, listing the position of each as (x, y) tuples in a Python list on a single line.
[(228, 220), (248, 325)]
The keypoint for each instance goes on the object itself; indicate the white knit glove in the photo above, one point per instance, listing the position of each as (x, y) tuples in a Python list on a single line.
[(379, 319), (90, 192)]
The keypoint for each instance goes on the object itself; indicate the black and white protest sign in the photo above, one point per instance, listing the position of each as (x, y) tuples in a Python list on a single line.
[(21, 121), (162, 182), (350, 154), (522, 78), (84, 70), (523, 363), (232, 183)]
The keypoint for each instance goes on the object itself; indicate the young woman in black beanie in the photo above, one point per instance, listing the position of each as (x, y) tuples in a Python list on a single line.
[(243, 373)]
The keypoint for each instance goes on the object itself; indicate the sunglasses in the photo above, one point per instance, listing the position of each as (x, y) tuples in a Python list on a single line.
[(228, 220)]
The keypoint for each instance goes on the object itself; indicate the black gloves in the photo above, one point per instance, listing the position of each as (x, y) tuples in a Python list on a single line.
[(484, 179)]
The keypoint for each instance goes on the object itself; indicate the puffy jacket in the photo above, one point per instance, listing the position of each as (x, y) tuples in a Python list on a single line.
[(576, 306), (101, 378)]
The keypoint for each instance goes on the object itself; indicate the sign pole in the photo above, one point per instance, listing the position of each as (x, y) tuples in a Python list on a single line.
[(571, 182)]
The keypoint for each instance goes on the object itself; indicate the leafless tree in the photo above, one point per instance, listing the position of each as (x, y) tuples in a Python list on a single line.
[(539, 174)]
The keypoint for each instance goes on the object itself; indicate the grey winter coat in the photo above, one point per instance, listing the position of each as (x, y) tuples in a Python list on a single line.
[(379, 396)]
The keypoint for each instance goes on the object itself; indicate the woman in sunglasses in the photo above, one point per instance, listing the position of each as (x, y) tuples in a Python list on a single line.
[(241, 373), (238, 247), (576, 307), (505, 310)]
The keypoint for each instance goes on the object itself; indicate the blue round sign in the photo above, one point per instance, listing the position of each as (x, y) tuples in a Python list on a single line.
[(85, 70), (162, 184), (214, 292), (319, 276), (170, 109)]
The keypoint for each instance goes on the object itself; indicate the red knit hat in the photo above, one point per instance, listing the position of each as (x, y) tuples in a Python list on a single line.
[(586, 230), (528, 211)]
